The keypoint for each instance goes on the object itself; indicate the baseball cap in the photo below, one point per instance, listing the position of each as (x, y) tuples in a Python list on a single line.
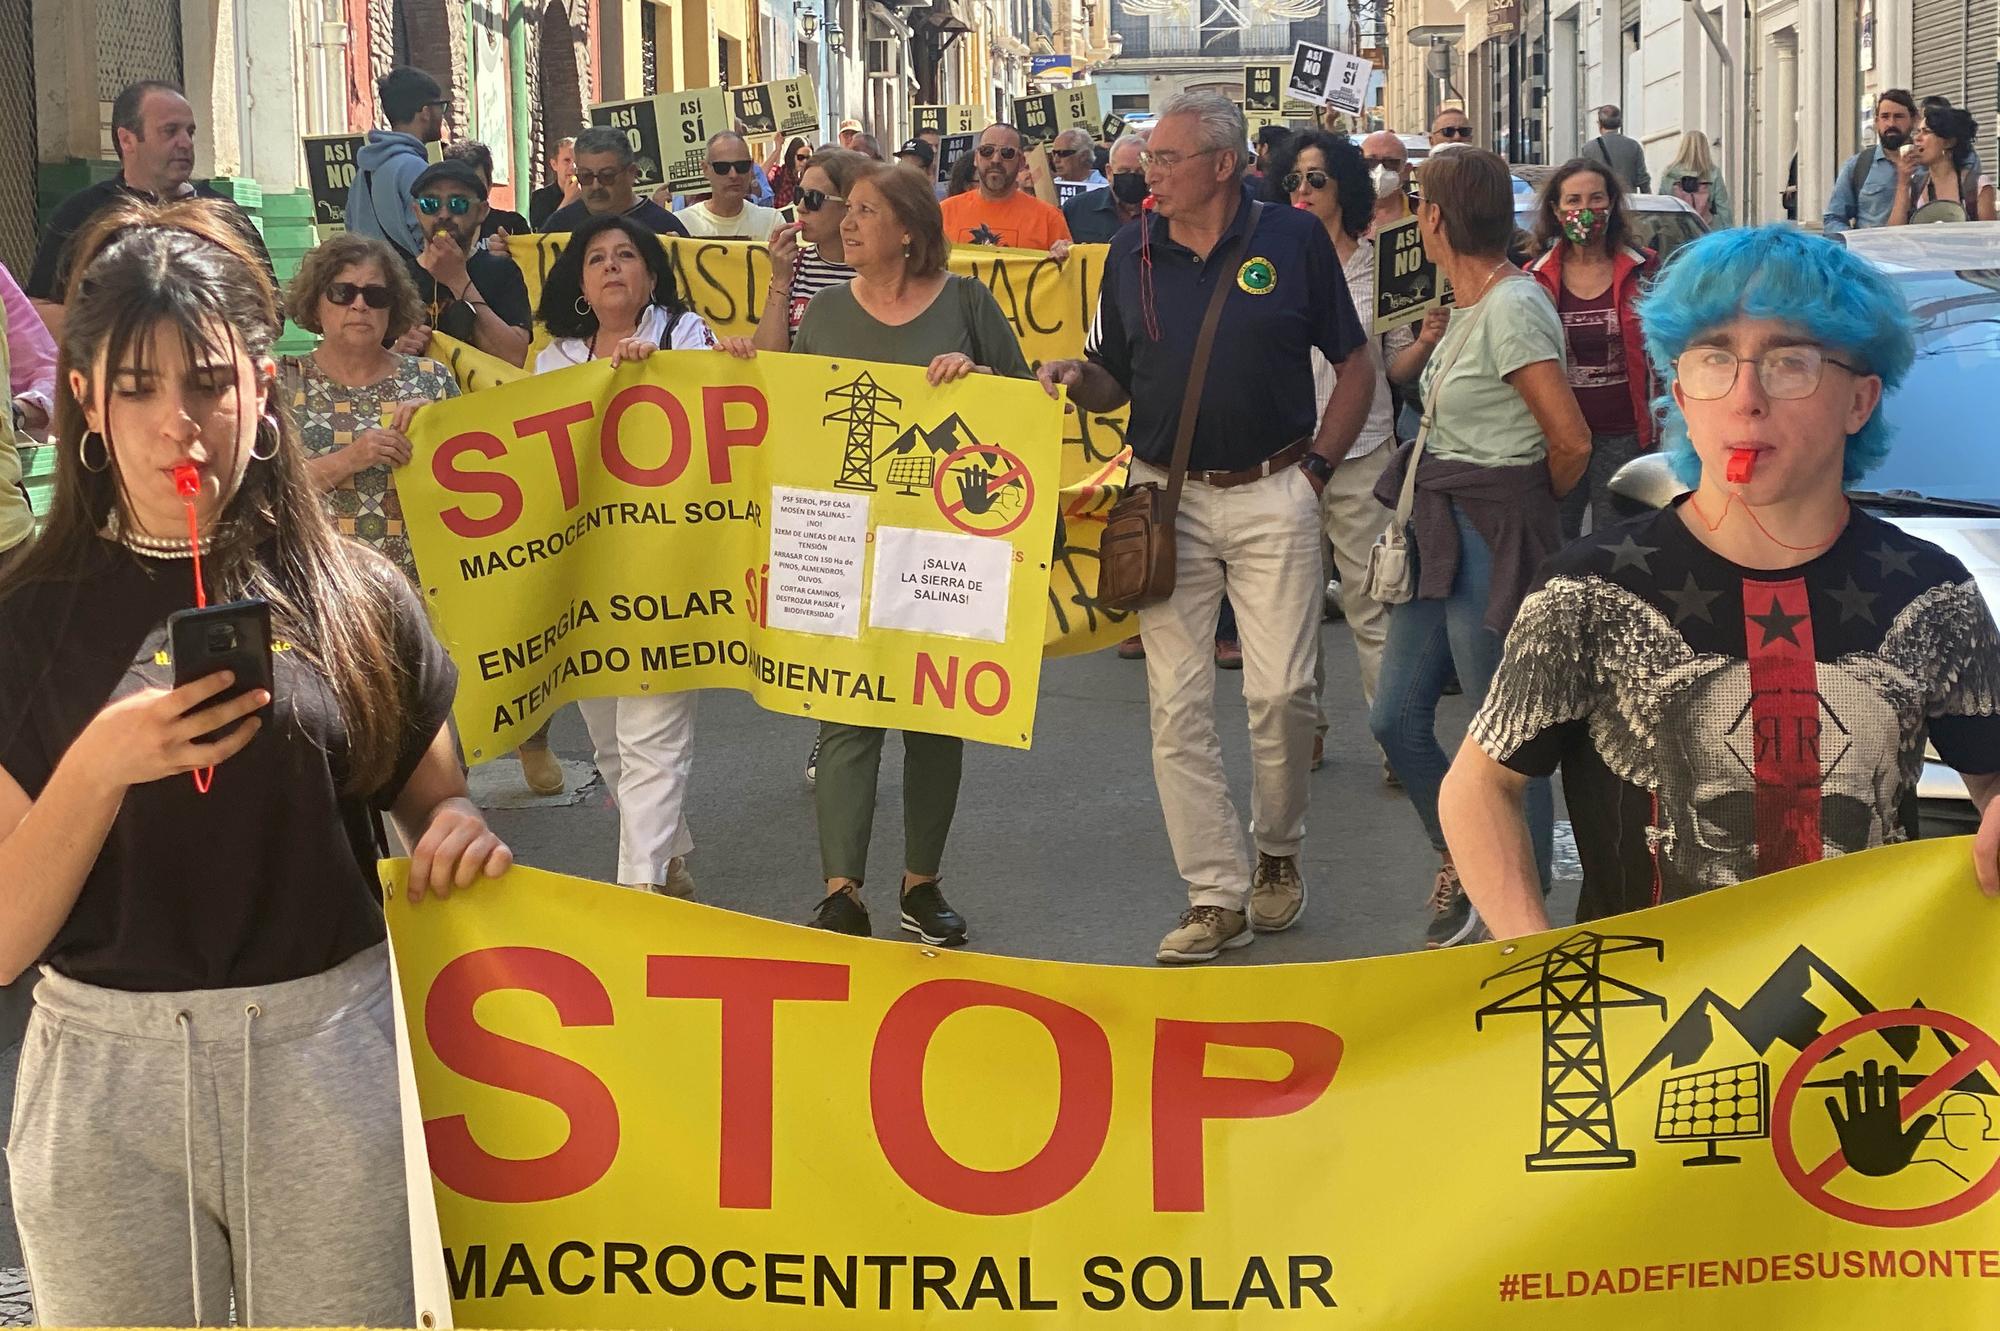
[(852, 124), (918, 149), (452, 170)]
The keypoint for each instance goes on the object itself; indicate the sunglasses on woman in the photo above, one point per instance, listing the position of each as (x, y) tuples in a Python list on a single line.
[(343, 293), (1316, 179), (812, 200), (457, 204), (988, 151)]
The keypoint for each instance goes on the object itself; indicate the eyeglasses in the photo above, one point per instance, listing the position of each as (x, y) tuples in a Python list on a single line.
[(741, 168), (343, 293), (1316, 179), (589, 178), (457, 204), (1454, 132), (812, 200), (1167, 161), (1785, 373), (988, 151)]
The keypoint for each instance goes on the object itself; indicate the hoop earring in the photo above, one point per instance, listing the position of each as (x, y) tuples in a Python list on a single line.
[(276, 441), (83, 452), (582, 306)]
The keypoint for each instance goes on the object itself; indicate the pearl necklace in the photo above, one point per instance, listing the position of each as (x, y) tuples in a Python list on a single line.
[(150, 546)]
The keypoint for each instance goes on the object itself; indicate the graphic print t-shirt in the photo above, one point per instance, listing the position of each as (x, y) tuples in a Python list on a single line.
[(1019, 221), (1715, 723), (1597, 373)]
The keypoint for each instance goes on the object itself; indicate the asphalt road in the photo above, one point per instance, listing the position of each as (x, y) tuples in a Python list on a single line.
[(1058, 852)]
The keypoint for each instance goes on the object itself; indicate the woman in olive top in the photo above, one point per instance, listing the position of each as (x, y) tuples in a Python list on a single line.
[(904, 308), (1505, 438)]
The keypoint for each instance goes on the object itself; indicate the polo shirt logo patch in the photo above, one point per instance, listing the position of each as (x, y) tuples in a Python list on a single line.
[(1257, 277)]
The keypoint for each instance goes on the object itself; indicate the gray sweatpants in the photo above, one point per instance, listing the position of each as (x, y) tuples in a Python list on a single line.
[(169, 1149)]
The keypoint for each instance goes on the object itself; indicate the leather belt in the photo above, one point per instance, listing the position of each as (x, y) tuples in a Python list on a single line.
[(1288, 456)]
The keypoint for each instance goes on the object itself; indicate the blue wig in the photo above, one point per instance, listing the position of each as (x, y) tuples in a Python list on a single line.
[(1778, 272)]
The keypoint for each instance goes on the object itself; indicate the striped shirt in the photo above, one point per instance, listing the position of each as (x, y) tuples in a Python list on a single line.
[(810, 276)]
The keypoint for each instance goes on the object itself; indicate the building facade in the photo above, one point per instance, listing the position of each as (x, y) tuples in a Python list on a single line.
[(1167, 47)]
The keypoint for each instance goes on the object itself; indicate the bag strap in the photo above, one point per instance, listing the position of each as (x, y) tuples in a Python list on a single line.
[(1406, 502), (1204, 343)]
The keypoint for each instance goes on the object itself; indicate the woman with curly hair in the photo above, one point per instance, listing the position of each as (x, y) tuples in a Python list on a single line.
[(1937, 176)]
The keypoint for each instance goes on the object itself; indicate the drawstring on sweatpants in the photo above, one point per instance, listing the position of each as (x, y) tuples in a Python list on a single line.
[(186, 1022), (250, 1014)]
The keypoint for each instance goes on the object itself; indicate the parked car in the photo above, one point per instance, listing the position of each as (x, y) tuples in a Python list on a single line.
[(1941, 481)]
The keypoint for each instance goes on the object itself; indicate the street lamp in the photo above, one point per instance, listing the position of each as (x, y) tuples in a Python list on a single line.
[(808, 22), (836, 36), (1117, 44)]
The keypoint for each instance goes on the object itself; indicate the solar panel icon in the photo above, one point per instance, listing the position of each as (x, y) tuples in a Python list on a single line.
[(1722, 1104)]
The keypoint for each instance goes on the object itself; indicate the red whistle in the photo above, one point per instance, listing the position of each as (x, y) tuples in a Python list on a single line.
[(187, 480), (1741, 461)]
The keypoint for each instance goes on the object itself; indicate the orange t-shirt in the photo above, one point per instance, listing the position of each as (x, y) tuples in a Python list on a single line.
[(1020, 221)]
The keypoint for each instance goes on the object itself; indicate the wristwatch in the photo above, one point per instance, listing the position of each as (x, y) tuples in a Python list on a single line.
[(1315, 465)]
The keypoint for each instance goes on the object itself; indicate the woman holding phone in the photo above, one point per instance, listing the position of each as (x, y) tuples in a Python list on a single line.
[(208, 1083)]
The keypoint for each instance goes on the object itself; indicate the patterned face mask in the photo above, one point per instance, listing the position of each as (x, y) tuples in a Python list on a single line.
[(1583, 226)]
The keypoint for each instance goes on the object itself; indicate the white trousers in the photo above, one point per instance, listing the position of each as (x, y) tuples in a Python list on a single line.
[(645, 753), (1354, 518), (1260, 542)]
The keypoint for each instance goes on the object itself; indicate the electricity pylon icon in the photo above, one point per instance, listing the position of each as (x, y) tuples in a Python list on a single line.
[(1572, 993), (863, 416)]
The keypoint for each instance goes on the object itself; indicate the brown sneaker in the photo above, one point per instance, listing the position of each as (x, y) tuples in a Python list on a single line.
[(540, 769), (1204, 933), (1277, 893)]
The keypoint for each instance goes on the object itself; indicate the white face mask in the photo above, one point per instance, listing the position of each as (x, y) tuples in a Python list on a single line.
[(1387, 180)]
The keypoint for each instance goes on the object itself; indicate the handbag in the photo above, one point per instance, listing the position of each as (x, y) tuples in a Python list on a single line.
[(1391, 575), (1136, 557)]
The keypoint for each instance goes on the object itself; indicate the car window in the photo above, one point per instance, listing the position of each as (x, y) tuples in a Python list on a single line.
[(1944, 443)]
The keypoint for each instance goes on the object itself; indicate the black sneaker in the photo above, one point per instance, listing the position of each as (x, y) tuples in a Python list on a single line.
[(842, 913), (930, 917), (1453, 919)]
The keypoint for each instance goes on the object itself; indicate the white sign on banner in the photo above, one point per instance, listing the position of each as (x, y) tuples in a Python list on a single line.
[(941, 582), (819, 540)]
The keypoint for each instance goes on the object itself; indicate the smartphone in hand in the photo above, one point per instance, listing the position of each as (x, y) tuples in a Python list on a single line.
[(235, 637)]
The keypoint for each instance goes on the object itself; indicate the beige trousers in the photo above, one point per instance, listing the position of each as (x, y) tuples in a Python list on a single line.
[(1260, 542)]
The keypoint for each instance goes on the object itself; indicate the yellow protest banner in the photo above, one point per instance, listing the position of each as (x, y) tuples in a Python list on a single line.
[(837, 538), (1049, 304), (643, 1112)]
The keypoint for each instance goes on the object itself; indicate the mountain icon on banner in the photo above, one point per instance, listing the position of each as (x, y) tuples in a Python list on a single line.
[(1781, 1009), (946, 437)]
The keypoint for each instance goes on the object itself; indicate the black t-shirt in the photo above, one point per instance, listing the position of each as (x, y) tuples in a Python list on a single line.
[(50, 275), (1716, 723), (504, 219), (271, 875), (542, 203), (645, 212), (501, 285)]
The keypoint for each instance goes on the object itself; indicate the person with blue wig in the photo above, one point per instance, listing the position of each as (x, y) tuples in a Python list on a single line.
[(1744, 681)]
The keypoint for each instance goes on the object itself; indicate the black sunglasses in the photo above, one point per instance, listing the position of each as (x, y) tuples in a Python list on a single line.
[(990, 150), (1456, 131), (812, 200), (1064, 152), (1316, 179), (741, 168), (343, 293), (457, 204), (1393, 163)]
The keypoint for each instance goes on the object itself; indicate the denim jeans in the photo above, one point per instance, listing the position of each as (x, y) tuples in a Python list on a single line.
[(1427, 639)]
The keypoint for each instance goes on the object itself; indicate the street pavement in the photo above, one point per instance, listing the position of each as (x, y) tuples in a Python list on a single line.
[(1058, 852)]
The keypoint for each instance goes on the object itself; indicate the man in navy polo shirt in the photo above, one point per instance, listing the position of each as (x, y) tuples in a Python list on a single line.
[(1249, 516)]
